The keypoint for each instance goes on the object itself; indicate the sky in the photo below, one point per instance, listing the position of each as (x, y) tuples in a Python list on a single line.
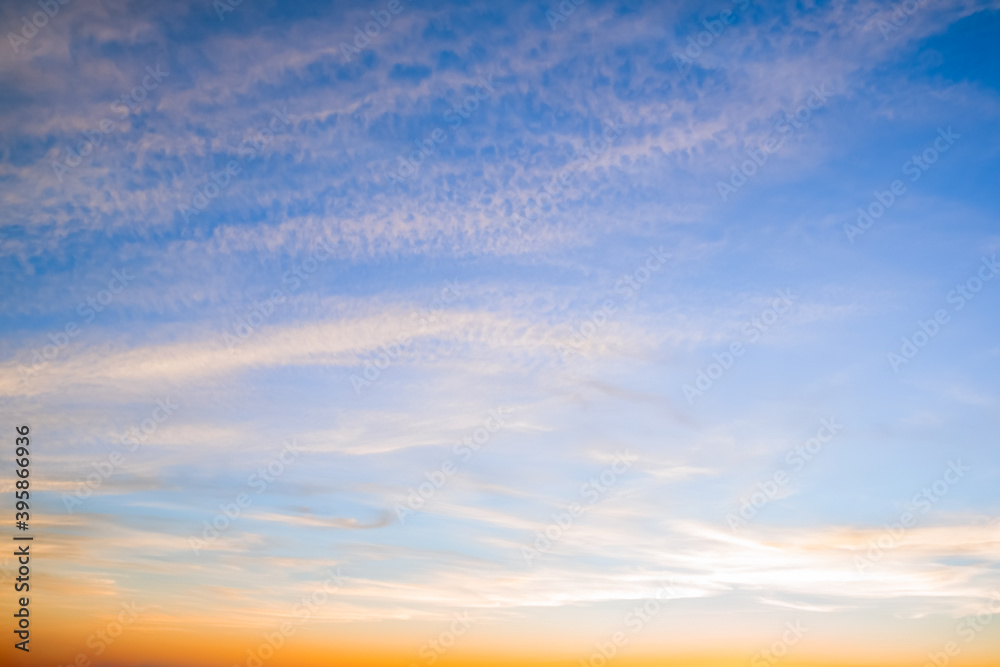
[(439, 333)]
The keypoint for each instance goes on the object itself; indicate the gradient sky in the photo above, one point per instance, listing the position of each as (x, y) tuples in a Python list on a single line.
[(558, 280)]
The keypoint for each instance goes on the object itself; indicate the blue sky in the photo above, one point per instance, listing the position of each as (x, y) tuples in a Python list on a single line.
[(308, 216)]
